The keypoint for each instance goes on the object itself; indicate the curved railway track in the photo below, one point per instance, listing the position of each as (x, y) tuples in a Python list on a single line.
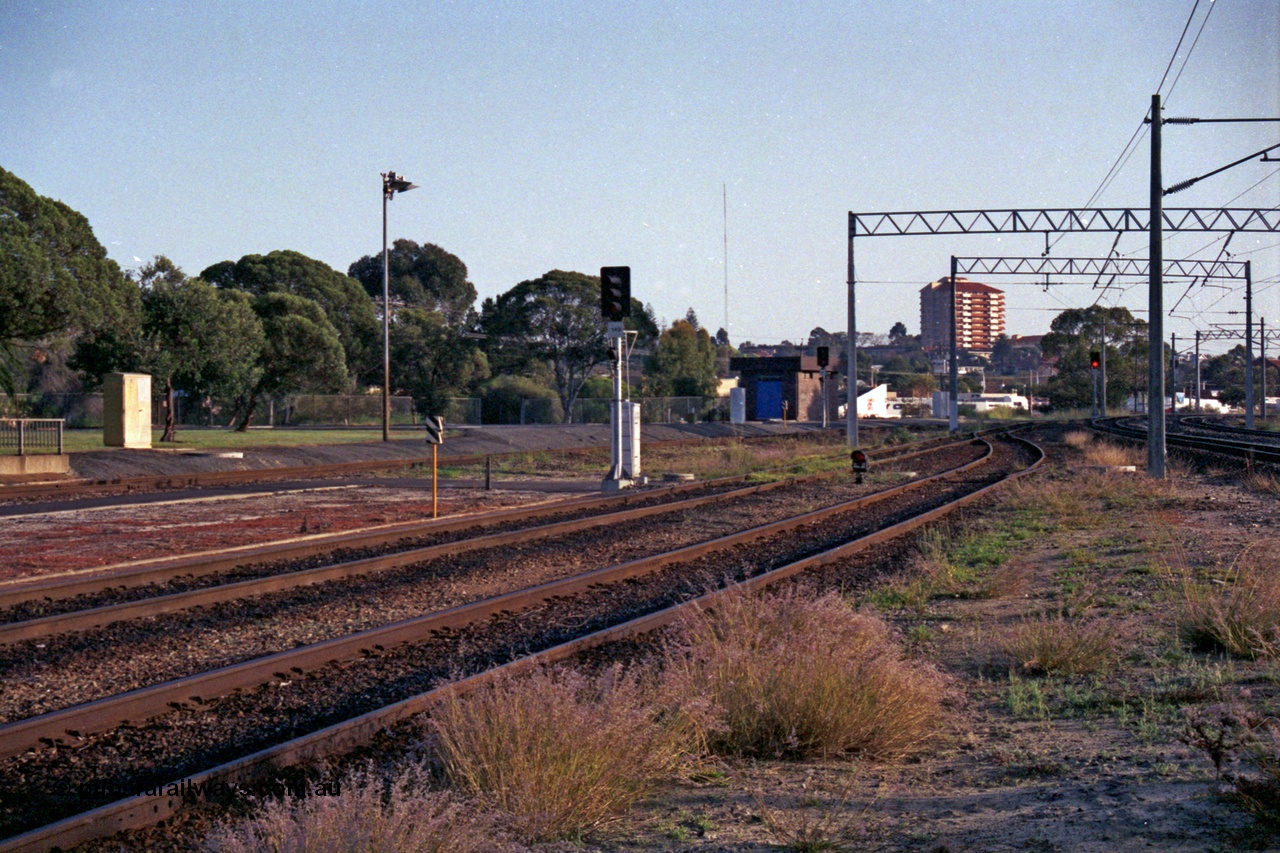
[(318, 706), (1254, 446), (1229, 425)]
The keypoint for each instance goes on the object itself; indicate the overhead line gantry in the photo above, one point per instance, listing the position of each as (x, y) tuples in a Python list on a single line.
[(1154, 220)]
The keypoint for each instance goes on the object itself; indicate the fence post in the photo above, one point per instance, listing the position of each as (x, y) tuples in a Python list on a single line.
[(60, 423), (22, 437)]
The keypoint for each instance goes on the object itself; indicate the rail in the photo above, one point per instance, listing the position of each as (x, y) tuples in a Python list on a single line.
[(31, 435), (143, 809), (1250, 451)]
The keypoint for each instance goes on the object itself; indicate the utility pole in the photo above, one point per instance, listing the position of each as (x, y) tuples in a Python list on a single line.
[(954, 418), (1248, 344), (1173, 372), (1197, 371), (1103, 396), (851, 349), (1155, 306), (1262, 345)]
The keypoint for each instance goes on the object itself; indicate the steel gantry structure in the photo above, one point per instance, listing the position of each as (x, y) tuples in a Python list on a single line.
[(1153, 220), (1099, 267), (1219, 333)]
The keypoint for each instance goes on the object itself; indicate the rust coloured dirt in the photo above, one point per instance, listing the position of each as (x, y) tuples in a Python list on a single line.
[(64, 541)]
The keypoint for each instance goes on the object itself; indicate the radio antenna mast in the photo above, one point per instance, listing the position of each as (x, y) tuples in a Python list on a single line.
[(725, 188)]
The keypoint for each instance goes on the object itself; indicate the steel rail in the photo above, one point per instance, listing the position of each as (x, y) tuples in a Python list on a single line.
[(160, 482), (1251, 452), (144, 810), (1210, 423), (162, 569), (80, 620), (147, 702)]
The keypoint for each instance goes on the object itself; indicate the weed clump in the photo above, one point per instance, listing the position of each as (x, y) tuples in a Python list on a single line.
[(1245, 750), (559, 751), (1240, 612), (792, 676), (1054, 645), (368, 815)]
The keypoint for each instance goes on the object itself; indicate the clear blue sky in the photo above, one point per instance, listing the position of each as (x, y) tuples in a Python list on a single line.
[(576, 135)]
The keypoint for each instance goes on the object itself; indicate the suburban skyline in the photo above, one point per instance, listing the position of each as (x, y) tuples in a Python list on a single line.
[(574, 136)]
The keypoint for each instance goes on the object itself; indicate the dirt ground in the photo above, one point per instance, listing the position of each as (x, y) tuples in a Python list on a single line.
[(70, 540)]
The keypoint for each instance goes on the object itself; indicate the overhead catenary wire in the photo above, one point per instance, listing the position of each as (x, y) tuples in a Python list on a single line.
[(1131, 146)]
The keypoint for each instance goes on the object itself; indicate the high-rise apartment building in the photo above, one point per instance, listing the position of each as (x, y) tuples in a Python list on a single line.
[(979, 315)]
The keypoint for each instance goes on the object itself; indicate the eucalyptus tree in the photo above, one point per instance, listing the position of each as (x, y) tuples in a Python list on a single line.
[(345, 302), (55, 277)]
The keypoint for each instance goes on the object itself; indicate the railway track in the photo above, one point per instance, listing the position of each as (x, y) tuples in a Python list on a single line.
[(386, 671), (1254, 446), (1228, 426), (103, 585), (81, 487)]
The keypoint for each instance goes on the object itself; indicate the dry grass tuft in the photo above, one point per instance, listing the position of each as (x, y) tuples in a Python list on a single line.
[(368, 816), (1240, 612), (1108, 454), (558, 751), (1078, 439), (1266, 484), (794, 676), (1053, 645)]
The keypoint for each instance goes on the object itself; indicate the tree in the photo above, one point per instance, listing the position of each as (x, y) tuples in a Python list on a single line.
[(423, 276), (300, 351), (683, 364), (1077, 332), (345, 303), (553, 320), (431, 361), (897, 332), (191, 337), (54, 274)]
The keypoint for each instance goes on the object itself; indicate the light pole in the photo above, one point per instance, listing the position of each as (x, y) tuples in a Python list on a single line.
[(391, 184)]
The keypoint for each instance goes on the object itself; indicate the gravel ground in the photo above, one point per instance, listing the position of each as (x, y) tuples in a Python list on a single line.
[(1079, 777), (55, 672), (175, 744)]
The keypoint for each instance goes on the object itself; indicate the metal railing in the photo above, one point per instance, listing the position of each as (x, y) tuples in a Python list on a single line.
[(30, 435)]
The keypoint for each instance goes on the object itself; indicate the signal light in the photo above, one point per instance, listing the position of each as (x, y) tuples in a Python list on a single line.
[(615, 293), (824, 356), (859, 459), (1095, 360)]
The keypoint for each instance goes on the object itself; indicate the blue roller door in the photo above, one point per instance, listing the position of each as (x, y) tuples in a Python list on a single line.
[(768, 399)]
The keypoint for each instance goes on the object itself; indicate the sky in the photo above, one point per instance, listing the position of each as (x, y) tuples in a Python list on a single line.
[(711, 146)]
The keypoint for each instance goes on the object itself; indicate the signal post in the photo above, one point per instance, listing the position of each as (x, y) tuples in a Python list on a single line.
[(624, 439)]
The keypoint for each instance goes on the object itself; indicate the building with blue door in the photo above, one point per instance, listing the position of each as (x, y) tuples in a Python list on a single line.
[(789, 387)]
